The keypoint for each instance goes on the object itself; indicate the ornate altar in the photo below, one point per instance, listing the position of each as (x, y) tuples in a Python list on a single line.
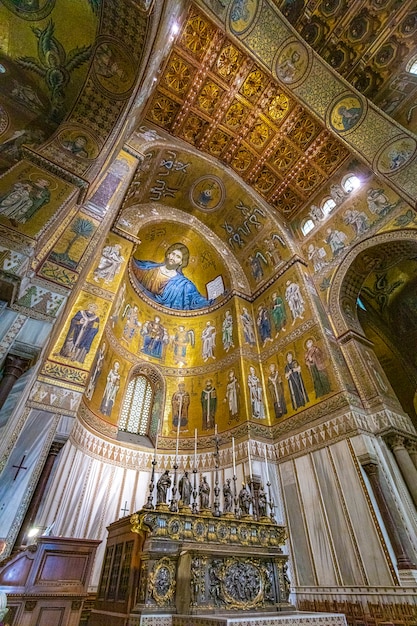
[(200, 564)]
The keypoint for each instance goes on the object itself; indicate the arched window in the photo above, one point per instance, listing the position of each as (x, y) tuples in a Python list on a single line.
[(136, 411), (328, 206), (350, 183), (142, 407), (307, 226)]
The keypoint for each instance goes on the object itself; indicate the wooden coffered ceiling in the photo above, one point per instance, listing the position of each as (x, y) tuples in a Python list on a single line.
[(368, 42), (218, 99)]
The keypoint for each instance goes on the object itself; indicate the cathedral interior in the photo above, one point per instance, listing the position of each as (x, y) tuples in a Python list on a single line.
[(208, 247)]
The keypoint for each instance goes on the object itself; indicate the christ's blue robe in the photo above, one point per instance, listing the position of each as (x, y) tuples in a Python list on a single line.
[(179, 292)]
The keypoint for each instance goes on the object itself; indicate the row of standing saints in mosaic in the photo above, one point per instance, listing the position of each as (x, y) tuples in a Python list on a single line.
[(165, 340)]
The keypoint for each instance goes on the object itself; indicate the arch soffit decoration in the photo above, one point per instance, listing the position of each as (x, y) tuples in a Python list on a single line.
[(167, 142), (142, 147), (352, 272)]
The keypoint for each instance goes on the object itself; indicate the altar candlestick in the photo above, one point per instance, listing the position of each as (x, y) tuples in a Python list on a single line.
[(266, 466), (233, 456), (195, 448), (156, 440), (178, 430), (249, 461)]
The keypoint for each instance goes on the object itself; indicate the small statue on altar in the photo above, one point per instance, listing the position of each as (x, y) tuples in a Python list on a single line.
[(215, 582), (204, 492), (286, 580), (262, 502), (227, 496), (162, 486), (185, 489), (245, 499)]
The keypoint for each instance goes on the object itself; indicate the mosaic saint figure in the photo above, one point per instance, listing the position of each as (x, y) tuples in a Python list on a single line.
[(208, 338), (106, 65), (227, 332), (165, 282), (255, 394), (316, 213), (109, 265), (372, 365), (276, 391), (272, 252), (314, 359), (155, 337), (263, 322), (296, 386), (316, 256), (233, 396), (337, 193), (13, 146), (349, 117), (378, 202), (17, 201), (180, 402), (83, 328), (98, 366), (24, 199), (77, 146), (358, 220), (208, 404), (131, 324), (255, 262), (180, 341), (288, 67), (278, 313), (248, 327), (337, 240), (111, 389), (295, 301), (239, 11)]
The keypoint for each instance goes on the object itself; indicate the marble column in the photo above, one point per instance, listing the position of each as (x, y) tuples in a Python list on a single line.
[(406, 465), (38, 493), (372, 471), (14, 367)]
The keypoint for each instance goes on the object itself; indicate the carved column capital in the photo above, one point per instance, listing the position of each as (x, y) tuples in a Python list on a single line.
[(396, 441), (411, 446), (56, 448), (371, 469), (15, 366)]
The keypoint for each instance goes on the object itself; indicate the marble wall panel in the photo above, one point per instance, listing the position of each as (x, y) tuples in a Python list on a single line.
[(362, 517), (303, 567), (318, 531), (333, 501)]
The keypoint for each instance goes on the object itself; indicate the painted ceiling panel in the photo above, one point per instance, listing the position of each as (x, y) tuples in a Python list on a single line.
[(215, 97)]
